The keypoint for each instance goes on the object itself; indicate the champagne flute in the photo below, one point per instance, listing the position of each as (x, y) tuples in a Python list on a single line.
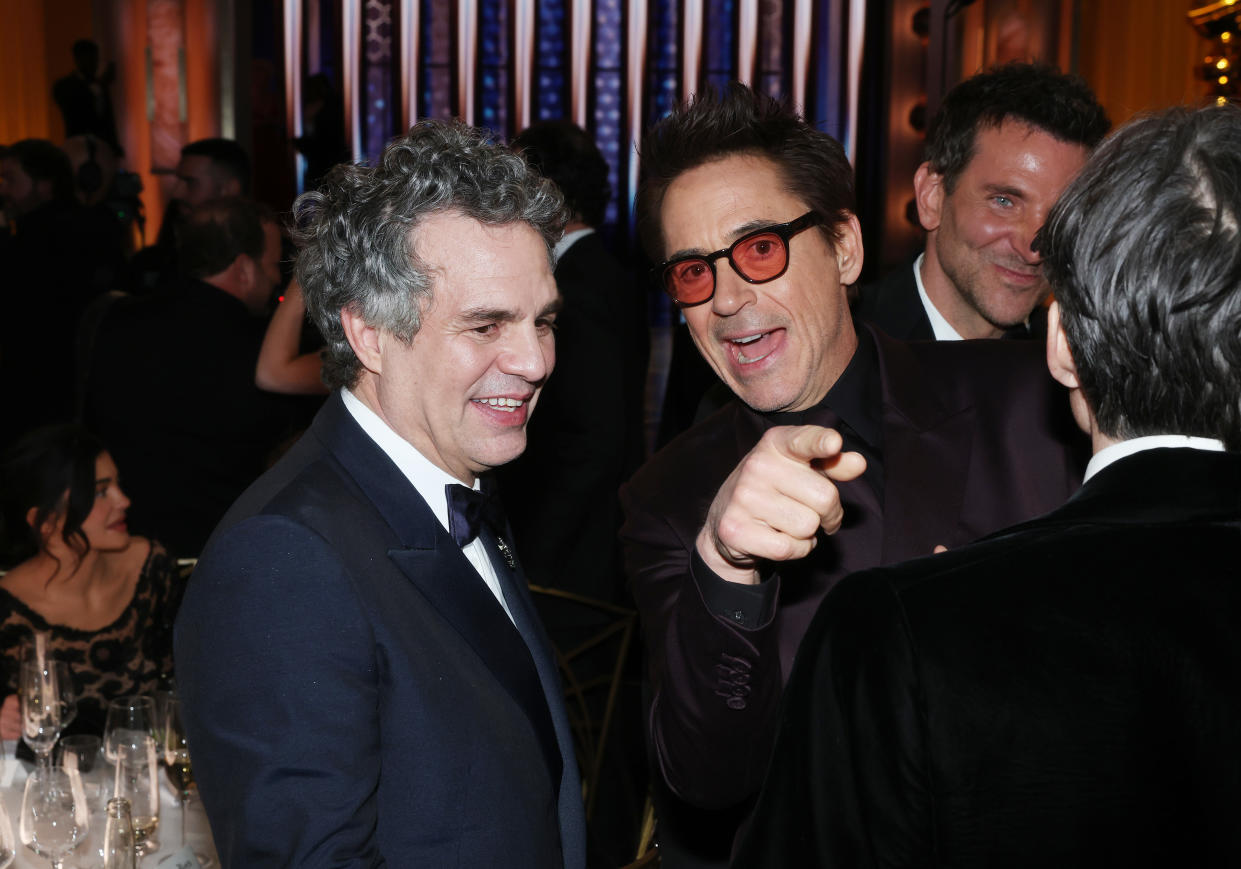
[(137, 780), (130, 720), (55, 816), (177, 755), (48, 703)]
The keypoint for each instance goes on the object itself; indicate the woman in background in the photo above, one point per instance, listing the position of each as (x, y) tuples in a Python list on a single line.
[(106, 598)]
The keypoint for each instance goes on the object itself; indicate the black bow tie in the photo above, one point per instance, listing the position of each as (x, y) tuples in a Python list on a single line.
[(469, 510)]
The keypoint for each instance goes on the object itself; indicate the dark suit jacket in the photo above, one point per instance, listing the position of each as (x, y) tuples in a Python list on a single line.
[(1061, 694), (354, 693), (975, 437), (171, 393), (560, 494), (892, 303)]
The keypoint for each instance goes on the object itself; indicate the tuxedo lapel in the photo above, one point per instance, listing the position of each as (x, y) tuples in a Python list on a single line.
[(927, 443), (430, 559)]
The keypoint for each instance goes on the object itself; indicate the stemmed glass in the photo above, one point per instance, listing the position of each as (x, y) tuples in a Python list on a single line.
[(137, 780), (55, 814), (130, 721), (48, 703), (177, 755)]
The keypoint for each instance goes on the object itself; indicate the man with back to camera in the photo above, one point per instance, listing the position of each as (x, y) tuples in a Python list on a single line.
[(1063, 693), (385, 694), (1000, 149), (845, 449)]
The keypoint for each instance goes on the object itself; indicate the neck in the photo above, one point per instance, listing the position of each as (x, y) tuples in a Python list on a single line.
[(574, 225), (64, 567)]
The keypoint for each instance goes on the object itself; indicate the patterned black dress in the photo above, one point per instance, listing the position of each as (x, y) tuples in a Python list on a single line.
[(133, 655)]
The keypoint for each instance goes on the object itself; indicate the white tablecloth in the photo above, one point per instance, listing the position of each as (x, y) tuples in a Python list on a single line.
[(98, 784)]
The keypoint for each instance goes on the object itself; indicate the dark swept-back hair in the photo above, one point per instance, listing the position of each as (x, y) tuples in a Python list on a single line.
[(1040, 96), (357, 231), (37, 471), (1143, 251), (739, 121), (565, 153), (212, 235), (228, 159)]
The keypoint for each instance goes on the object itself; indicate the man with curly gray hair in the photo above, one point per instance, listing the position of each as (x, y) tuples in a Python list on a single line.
[(386, 694)]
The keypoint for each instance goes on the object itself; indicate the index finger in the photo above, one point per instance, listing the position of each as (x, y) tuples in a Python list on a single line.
[(809, 442)]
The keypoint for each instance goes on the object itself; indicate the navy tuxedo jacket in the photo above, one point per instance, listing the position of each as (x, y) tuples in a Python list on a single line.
[(354, 693), (976, 436), (892, 303), (1063, 693)]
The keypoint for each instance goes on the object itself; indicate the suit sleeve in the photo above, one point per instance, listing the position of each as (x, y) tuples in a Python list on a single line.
[(715, 682), (277, 667), (849, 782)]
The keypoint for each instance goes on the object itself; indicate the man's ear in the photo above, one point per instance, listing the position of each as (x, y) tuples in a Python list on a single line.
[(230, 187), (1059, 355), (363, 338), (849, 250), (929, 195)]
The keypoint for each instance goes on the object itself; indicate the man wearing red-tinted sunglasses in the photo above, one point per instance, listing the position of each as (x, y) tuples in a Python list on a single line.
[(844, 450)]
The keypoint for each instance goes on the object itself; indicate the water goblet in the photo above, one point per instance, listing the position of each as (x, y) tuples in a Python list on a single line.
[(47, 701), (130, 720), (55, 817)]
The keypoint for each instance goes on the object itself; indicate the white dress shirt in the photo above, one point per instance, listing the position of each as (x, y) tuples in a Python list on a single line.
[(1117, 451), (942, 328), (428, 478)]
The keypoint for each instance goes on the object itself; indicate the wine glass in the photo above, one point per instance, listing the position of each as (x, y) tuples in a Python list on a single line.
[(130, 720), (48, 703), (55, 815), (177, 755), (137, 780)]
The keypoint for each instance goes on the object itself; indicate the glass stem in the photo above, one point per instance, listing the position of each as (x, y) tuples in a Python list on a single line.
[(185, 800)]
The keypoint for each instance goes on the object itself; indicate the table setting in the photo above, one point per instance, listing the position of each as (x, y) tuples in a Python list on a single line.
[(125, 800)]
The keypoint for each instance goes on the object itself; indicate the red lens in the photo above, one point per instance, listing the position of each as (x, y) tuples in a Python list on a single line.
[(689, 281), (760, 257)]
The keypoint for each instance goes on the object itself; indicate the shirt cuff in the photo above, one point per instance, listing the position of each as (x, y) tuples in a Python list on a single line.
[(747, 606)]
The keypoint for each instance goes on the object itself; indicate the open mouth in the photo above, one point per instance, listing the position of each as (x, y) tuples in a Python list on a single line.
[(753, 348)]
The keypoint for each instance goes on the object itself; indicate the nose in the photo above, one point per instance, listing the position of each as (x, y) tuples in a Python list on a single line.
[(119, 498), (732, 292), (1025, 236), (529, 354)]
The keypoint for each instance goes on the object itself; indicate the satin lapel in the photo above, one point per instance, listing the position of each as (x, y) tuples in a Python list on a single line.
[(435, 565), (926, 454)]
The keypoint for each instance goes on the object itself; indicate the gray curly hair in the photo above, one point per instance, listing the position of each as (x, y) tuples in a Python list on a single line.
[(357, 231)]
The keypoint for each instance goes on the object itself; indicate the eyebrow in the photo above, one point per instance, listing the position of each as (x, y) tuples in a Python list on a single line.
[(103, 481), (506, 315), (735, 233), (1007, 190)]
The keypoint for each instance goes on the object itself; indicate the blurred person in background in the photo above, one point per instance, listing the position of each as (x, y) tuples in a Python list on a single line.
[(106, 598)]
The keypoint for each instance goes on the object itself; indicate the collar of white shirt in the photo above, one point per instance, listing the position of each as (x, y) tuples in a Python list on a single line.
[(942, 328), (1117, 451), (428, 478), (569, 239)]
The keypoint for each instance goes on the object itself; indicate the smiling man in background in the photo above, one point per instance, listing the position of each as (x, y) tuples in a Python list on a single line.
[(1000, 149)]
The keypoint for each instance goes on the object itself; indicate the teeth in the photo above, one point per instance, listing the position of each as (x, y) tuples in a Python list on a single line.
[(749, 340), (506, 404)]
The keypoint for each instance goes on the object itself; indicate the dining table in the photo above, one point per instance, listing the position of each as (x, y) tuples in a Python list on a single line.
[(197, 852)]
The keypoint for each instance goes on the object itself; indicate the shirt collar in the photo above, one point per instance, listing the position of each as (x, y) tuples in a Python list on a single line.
[(568, 240), (941, 327), (427, 477), (856, 396), (1115, 452)]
